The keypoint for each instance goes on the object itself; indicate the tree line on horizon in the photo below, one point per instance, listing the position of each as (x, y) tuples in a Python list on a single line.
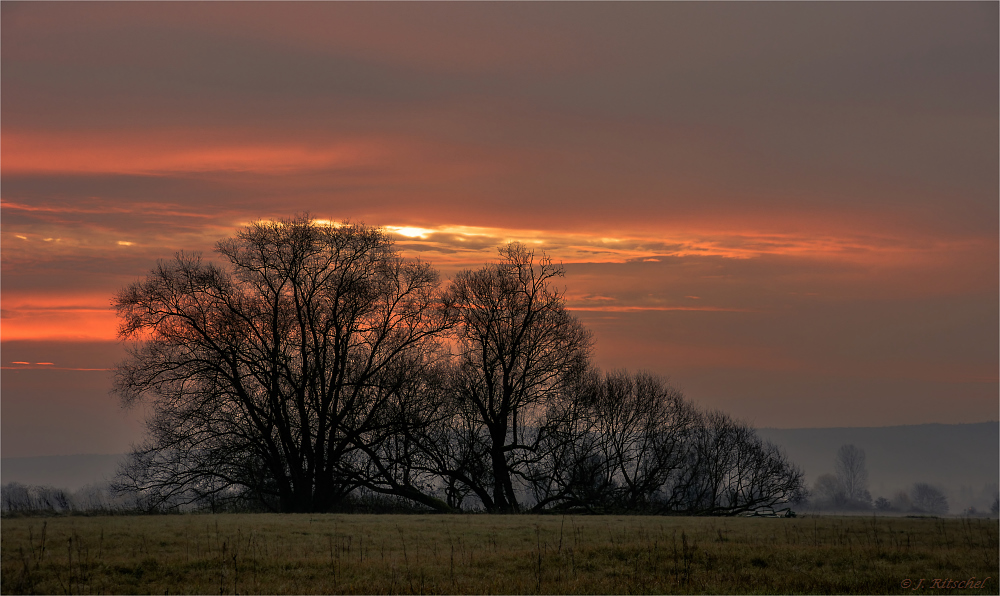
[(314, 363), (847, 490)]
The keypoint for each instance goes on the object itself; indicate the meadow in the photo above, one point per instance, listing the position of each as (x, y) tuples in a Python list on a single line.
[(471, 554)]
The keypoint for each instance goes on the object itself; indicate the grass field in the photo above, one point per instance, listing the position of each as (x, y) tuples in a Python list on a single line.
[(391, 554)]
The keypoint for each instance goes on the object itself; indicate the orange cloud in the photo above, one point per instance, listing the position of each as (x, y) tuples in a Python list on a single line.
[(451, 243), (158, 153), (50, 366), (66, 317)]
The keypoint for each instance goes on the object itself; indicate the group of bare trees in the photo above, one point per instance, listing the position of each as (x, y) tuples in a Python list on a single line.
[(316, 362), (629, 442), (848, 489), (921, 498), (23, 498)]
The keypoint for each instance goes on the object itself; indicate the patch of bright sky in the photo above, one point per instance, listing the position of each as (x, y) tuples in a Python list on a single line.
[(452, 241)]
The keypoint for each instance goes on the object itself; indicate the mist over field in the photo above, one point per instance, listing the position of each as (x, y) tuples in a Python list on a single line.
[(961, 459)]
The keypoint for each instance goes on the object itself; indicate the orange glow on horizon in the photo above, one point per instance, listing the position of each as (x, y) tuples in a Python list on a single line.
[(454, 247), (68, 317)]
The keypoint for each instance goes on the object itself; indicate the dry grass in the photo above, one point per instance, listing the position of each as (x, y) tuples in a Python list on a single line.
[(309, 554)]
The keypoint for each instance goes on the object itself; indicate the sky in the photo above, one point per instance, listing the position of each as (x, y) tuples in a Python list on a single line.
[(790, 210)]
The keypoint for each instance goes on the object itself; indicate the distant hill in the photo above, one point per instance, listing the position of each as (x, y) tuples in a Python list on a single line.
[(962, 459)]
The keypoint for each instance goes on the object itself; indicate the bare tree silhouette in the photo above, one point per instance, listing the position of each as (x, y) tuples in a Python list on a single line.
[(852, 472), (271, 376), (518, 350)]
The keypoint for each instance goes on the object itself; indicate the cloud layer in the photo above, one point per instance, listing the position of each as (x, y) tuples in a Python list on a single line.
[(790, 209)]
